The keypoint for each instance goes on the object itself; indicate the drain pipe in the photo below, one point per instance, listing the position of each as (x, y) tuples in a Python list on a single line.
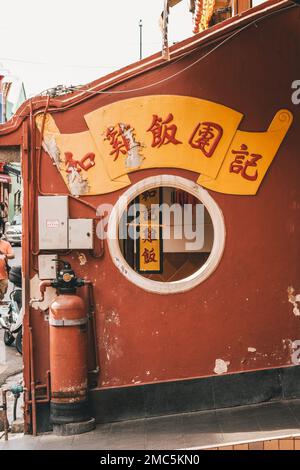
[(4, 409), (16, 390)]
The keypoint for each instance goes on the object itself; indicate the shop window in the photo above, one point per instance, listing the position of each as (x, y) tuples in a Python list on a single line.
[(166, 234), (223, 9)]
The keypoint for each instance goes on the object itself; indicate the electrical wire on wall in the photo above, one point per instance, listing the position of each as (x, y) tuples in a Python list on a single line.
[(89, 91)]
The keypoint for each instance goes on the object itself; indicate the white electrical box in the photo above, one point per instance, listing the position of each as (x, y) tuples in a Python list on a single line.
[(80, 234), (47, 266), (53, 222)]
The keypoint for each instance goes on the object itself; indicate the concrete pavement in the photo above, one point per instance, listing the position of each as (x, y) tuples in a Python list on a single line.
[(10, 361), (198, 430)]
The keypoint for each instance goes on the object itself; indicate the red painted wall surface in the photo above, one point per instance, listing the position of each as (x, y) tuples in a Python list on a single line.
[(144, 337)]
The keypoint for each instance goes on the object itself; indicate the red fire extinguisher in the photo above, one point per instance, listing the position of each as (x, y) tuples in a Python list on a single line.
[(68, 353)]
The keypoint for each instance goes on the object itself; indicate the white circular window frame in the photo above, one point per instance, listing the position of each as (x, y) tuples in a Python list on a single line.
[(198, 276)]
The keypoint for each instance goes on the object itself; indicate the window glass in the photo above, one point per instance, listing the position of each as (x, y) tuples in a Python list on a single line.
[(166, 234)]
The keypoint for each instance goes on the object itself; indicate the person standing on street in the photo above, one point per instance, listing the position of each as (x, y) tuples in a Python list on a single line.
[(6, 253)]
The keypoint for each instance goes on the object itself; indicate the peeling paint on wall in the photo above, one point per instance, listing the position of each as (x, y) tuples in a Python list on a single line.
[(111, 341), (51, 147), (289, 348), (294, 299), (136, 380), (295, 357), (113, 317), (82, 259), (221, 367)]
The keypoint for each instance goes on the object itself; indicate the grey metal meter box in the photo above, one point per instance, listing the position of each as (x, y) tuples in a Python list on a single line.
[(47, 266), (80, 234), (53, 222)]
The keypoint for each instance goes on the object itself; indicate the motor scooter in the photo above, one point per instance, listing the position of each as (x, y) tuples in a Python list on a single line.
[(11, 312)]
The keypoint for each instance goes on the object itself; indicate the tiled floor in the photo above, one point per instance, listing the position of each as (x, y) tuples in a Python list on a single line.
[(185, 431)]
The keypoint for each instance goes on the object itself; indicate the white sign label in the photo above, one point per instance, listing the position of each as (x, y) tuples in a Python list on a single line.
[(52, 223)]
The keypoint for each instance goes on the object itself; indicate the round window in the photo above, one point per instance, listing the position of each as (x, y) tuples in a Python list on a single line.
[(166, 234)]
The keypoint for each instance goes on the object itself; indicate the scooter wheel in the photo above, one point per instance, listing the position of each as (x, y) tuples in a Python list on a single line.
[(19, 342), (8, 338)]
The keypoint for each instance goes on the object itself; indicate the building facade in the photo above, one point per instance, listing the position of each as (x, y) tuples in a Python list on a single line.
[(180, 324), (12, 95)]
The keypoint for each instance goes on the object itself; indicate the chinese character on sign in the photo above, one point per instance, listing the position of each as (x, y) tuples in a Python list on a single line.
[(149, 256), (148, 195), (163, 131), (149, 248), (149, 234), (117, 140), (151, 213), (206, 137), (240, 165), (87, 162)]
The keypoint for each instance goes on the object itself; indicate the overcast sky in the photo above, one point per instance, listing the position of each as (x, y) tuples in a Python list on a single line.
[(72, 42)]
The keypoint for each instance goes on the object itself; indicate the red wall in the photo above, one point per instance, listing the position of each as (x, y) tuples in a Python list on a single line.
[(145, 337)]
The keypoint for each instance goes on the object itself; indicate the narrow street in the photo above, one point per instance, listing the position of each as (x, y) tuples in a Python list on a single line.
[(10, 359)]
